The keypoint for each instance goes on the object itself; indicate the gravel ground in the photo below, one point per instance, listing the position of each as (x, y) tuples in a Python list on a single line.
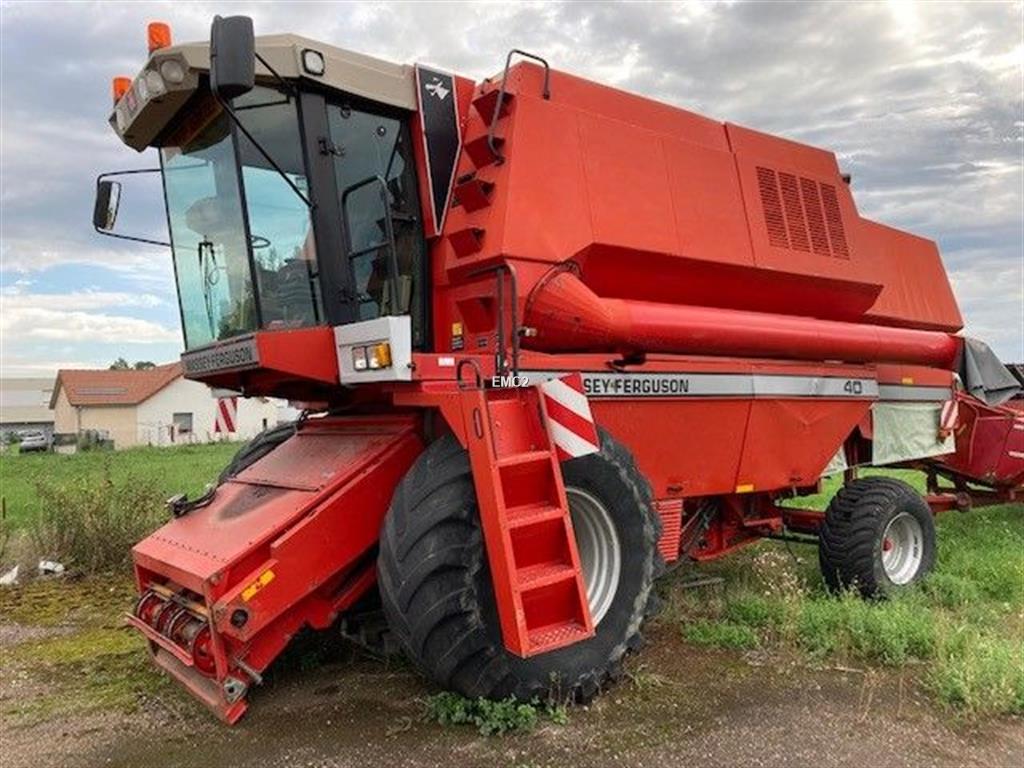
[(677, 706)]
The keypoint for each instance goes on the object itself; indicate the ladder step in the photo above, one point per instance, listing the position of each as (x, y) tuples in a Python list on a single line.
[(484, 104), (556, 636), (529, 514), (479, 150), (528, 457), (543, 574), (467, 241), (473, 194)]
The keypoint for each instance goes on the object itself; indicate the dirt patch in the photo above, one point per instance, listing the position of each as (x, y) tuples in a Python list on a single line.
[(15, 634), (77, 690), (675, 705)]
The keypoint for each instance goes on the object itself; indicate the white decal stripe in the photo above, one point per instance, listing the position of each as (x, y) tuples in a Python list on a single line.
[(914, 393), (569, 441), (1016, 454), (684, 385), (566, 396)]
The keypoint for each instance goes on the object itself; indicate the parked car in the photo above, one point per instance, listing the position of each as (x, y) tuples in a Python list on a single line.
[(34, 441)]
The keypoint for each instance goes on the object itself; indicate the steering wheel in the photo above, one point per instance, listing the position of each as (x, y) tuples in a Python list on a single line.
[(258, 242)]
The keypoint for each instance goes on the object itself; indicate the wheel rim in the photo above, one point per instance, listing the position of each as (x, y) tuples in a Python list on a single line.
[(902, 548), (600, 552)]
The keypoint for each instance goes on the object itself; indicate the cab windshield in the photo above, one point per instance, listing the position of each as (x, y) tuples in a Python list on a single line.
[(244, 252)]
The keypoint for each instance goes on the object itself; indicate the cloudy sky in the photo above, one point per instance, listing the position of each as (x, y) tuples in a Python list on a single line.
[(922, 103)]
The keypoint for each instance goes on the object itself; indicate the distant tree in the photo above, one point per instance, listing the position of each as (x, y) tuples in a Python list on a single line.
[(123, 365)]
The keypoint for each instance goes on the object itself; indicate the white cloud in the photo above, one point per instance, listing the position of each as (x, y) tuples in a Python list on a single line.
[(14, 298), (35, 322)]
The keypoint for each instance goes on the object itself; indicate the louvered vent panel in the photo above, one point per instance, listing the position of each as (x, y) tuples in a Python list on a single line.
[(795, 223), (815, 221), (773, 218), (802, 214), (836, 232)]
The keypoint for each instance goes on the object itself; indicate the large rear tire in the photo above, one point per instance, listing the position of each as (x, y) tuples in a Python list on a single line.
[(878, 537), (436, 588)]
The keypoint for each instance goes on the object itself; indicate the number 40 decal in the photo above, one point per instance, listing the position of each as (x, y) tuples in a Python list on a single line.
[(853, 387)]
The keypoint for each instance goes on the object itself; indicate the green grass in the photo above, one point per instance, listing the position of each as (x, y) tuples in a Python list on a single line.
[(181, 469), (961, 630)]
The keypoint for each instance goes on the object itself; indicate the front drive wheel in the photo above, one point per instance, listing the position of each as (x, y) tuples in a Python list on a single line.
[(436, 588), (878, 537)]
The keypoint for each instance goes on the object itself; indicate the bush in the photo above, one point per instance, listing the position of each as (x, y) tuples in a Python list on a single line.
[(91, 523)]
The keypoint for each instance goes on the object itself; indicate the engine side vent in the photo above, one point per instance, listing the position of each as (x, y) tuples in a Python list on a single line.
[(836, 232), (794, 212), (768, 185), (802, 214)]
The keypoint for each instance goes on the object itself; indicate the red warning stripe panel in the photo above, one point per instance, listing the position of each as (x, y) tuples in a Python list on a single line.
[(227, 415), (570, 423), (949, 417)]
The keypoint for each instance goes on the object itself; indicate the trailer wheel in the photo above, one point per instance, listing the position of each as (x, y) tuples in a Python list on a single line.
[(436, 589), (878, 537)]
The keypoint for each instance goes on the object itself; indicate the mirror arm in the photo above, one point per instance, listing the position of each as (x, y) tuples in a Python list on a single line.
[(266, 156), (292, 90), (132, 238)]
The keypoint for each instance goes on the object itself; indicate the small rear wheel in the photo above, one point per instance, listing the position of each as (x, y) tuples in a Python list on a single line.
[(878, 537)]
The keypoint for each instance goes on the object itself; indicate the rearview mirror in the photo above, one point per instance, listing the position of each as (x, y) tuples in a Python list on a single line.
[(104, 212), (232, 56)]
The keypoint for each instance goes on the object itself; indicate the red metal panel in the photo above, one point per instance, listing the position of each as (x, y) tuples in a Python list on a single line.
[(706, 439), (915, 289), (315, 458), (707, 204), (989, 445), (790, 442), (630, 201), (211, 539), (544, 173)]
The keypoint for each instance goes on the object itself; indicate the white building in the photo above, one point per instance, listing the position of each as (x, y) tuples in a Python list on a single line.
[(24, 406), (157, 406)]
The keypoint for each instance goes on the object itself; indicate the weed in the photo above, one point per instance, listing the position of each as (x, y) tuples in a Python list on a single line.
[(644, 679), (492, 717), (978, 675), (890, 633), (724, 634), (756, 611), (90, 525)]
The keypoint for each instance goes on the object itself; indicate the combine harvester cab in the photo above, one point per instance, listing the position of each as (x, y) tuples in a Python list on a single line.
[(534, 367)]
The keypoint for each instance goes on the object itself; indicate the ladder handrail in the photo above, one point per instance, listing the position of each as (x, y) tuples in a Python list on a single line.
[(546, 93)]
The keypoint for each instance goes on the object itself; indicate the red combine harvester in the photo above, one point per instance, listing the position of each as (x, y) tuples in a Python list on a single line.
[(549, 336)]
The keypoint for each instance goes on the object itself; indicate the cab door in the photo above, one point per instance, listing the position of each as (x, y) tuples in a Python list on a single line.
[(378, 198)]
